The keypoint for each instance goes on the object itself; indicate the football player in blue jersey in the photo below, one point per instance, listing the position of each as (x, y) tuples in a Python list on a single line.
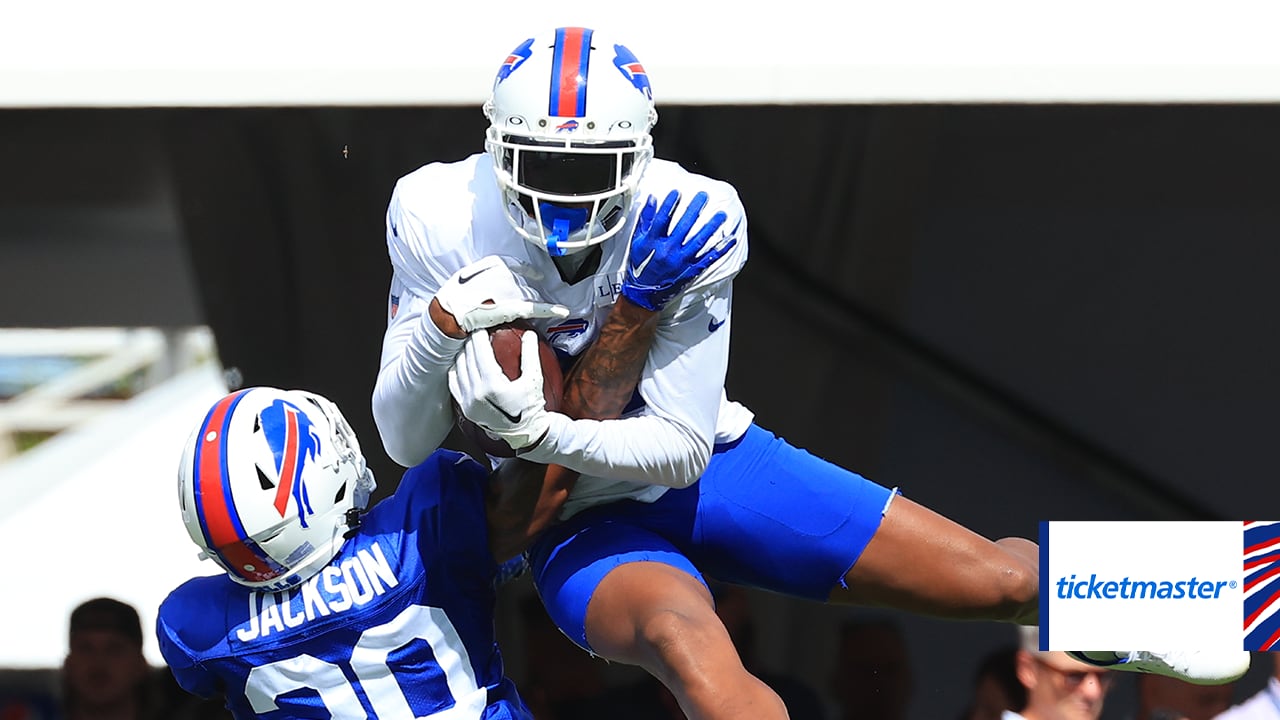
[(569, 206), (325, 610)]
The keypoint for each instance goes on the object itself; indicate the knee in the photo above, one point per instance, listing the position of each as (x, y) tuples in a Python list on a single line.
[(670, 634), (676, 642), (1019, 585)]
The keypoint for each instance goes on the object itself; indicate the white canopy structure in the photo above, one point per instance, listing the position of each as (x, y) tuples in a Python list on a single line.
[(93, 511), (137, 53)]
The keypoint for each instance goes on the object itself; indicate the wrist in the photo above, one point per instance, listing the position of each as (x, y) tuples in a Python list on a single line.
[(632, 312), (644, 298), (439, 347), (444, 320), (544, 449)]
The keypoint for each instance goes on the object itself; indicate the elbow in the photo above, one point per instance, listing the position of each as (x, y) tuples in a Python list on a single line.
[(399, 447), (402, 453)]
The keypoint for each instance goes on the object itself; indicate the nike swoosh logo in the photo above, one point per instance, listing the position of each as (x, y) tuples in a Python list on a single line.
[(513, 418), (466, 279), (713, 325), (637, 269)]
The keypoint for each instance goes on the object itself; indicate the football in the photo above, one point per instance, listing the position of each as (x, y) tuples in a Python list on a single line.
[(505, 339)]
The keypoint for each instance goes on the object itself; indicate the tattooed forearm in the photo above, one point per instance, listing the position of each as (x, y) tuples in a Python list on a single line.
[(600, 384)]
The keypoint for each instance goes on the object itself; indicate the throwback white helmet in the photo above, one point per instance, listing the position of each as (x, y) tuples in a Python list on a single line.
[(569, 123), (267, 483)]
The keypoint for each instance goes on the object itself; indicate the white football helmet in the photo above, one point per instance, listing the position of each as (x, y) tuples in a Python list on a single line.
[(266, 484), (569, 122)]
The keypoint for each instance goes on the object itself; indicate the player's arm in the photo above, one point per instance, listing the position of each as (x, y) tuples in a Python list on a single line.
[(437, 307), (524, 497), (521, 501), (602, 381), (672, 444), (411, 395), (190, 675)]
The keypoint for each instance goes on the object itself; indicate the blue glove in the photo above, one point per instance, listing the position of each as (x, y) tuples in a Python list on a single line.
[(662, 264)]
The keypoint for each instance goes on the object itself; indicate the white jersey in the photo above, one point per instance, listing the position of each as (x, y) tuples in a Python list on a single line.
[(445, 216)]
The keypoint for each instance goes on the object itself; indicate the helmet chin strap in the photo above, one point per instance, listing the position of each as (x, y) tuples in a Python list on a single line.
[(560, 222)]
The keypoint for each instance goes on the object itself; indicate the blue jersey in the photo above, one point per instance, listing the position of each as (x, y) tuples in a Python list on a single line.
[(398, 625)]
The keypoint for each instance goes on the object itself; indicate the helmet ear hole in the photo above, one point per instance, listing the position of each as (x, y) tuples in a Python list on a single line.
[(263, 481), (342, 493)]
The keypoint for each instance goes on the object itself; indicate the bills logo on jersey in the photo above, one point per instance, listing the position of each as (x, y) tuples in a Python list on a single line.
[(567, 126), (630, 67), (569, 329), (570, 338), (293, 441), (515, 59)]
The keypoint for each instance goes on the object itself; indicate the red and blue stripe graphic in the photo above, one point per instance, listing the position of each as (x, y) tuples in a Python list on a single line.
[(569, 72), (224, 534), (1261, 585)]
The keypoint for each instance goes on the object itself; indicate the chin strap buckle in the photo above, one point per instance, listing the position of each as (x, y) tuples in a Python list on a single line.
[(353, 518)]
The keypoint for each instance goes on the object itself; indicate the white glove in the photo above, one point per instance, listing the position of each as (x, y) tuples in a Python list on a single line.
[(486, 293), (514, 411)]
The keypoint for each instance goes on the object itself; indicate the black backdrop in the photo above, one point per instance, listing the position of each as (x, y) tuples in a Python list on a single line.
[(1014, 312), (1099, 276)]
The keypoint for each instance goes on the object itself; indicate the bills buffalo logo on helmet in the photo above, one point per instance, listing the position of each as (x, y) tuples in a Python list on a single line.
[(630, 67), (293, 441), (515, 59)]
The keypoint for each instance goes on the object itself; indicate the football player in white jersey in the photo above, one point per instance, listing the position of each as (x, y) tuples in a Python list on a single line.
[(567, 220), (324, 610)]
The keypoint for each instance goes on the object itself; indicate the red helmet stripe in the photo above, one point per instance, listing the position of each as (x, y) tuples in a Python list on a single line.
[(569, 72), (224, 534)]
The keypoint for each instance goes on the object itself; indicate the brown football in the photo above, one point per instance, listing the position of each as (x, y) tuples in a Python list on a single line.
[(506, 349)]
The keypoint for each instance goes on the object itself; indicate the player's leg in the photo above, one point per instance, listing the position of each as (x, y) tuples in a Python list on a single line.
[(920, 561), (774, 516), (626, 594), (662, 619), (777, 517)]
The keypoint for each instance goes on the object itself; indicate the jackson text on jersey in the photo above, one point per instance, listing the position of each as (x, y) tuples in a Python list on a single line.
[(352, 582)]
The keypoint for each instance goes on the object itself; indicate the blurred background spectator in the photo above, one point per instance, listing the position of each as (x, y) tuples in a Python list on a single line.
[(1163, 698), (996, 687), (1058, 686)]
